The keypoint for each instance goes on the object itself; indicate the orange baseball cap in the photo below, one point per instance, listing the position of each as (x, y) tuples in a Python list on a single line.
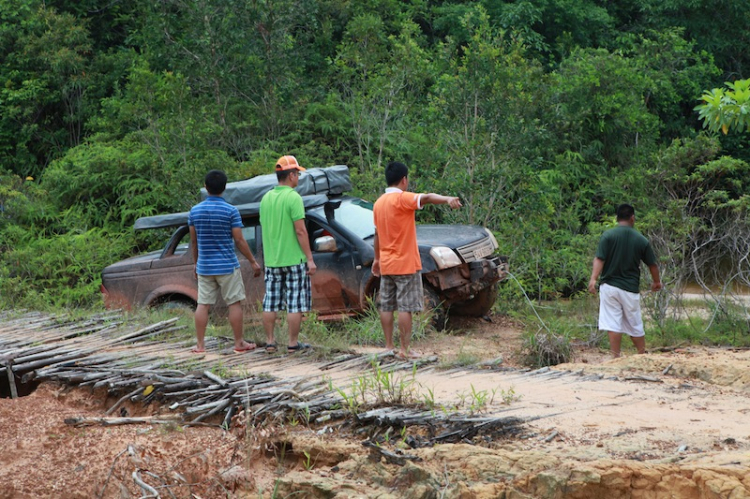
[(288, 163)]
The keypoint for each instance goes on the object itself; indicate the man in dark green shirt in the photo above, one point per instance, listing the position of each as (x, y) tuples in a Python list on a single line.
[(618, 257)]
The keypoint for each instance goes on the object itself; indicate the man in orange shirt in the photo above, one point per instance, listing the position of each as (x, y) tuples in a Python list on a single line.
[(397, 260)]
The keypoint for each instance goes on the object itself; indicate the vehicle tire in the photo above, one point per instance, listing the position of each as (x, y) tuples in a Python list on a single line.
[(176, 304), (479, 306), (434, 306)]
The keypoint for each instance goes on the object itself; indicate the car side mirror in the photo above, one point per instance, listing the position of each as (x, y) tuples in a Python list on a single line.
[(325, 244)]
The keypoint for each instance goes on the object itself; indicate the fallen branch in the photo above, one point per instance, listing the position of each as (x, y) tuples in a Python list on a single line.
[(644, 378), (11, 379), (78, 422), (123, 399), (146, 487), (111, 470), (215, 378), (389, 456)]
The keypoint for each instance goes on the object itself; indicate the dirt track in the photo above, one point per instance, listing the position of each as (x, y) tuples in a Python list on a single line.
[(624, 408), (662, 415)]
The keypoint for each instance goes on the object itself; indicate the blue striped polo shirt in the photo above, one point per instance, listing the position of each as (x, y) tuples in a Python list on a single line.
[(213, 220)]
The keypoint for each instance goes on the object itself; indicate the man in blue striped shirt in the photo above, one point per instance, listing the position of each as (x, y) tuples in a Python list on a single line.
[(215, 230)]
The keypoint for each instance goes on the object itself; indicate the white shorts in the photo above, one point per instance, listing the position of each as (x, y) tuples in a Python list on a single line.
[(620, 311)]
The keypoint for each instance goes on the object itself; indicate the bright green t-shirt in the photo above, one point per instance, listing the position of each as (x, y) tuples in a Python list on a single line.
[(623, 249), (279, 209)]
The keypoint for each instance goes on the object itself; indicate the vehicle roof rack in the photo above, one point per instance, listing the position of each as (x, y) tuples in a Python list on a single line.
[(331, 180), (247, 209)]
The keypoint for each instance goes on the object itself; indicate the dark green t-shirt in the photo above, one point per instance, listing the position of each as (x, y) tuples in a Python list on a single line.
[(623, 249)]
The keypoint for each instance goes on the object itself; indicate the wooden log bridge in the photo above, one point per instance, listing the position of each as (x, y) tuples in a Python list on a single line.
[(135, 363)]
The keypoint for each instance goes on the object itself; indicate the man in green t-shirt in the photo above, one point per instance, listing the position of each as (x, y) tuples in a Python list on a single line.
[(618, 257), (286, 251)]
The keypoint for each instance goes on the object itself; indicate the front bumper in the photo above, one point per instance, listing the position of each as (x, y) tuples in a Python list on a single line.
[(464, 281)]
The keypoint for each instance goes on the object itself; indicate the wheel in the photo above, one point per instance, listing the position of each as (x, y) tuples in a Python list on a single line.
[(175, 305), (433, 305), (479, 306)]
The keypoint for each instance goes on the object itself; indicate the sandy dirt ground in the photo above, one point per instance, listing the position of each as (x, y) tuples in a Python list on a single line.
[(684, 405)]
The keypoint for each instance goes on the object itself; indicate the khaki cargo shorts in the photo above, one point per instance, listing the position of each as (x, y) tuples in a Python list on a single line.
[(231, 286)]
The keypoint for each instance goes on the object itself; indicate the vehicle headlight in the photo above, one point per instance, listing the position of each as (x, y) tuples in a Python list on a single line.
[(444, 257), (492, 238)]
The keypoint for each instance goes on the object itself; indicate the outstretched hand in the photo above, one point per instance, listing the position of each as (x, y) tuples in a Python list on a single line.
[(454, 203)]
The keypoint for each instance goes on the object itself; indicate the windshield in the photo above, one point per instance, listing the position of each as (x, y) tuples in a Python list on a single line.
[(357, 217)]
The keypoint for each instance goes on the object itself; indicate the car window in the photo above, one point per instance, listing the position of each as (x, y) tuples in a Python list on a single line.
[(357, 217), (249, 234), (182, 245)]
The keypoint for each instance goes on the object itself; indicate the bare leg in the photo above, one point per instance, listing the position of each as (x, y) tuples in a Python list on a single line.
[(640, 343), (295, 324), (236, 320), (404, 329), (615, 340), (201, 321), (386, 320), (269, 322)]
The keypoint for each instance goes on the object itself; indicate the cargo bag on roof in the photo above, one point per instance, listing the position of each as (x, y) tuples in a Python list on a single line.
[(329, 181)]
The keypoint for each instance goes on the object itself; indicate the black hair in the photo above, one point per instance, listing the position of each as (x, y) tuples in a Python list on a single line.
[(394, 172), (282, 175), (624, 212), (216, 182)]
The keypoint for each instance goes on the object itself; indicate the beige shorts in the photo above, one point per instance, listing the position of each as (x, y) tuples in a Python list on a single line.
[(231, 286), (620, 311)]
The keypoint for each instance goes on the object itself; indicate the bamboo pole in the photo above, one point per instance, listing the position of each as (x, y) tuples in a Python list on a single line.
[(11, 379)]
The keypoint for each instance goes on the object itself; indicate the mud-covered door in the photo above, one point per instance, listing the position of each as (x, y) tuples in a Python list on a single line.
[(254, 286), (335, 284)]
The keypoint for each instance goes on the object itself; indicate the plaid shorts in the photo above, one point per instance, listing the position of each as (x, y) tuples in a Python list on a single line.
[(401, 292), (288, 286)]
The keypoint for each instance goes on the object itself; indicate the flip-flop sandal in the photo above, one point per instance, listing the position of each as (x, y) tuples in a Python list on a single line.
[(299, 347), (250, 347), (197, 350), (412, 355), (271, 348)]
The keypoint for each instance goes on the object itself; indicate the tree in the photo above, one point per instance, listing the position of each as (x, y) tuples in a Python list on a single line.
[(725, 39), (379, 78), (484, 116), (44, 67), (702, 230), (244, 61), (727, 109), (600, 109)]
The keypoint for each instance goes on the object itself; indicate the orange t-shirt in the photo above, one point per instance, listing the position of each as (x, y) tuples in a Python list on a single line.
[(394, 219)]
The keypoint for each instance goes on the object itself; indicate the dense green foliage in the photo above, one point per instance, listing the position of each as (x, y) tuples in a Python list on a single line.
[(542, 115), (725, 110)]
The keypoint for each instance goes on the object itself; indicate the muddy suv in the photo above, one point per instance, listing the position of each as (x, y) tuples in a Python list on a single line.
[(460, 270)]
